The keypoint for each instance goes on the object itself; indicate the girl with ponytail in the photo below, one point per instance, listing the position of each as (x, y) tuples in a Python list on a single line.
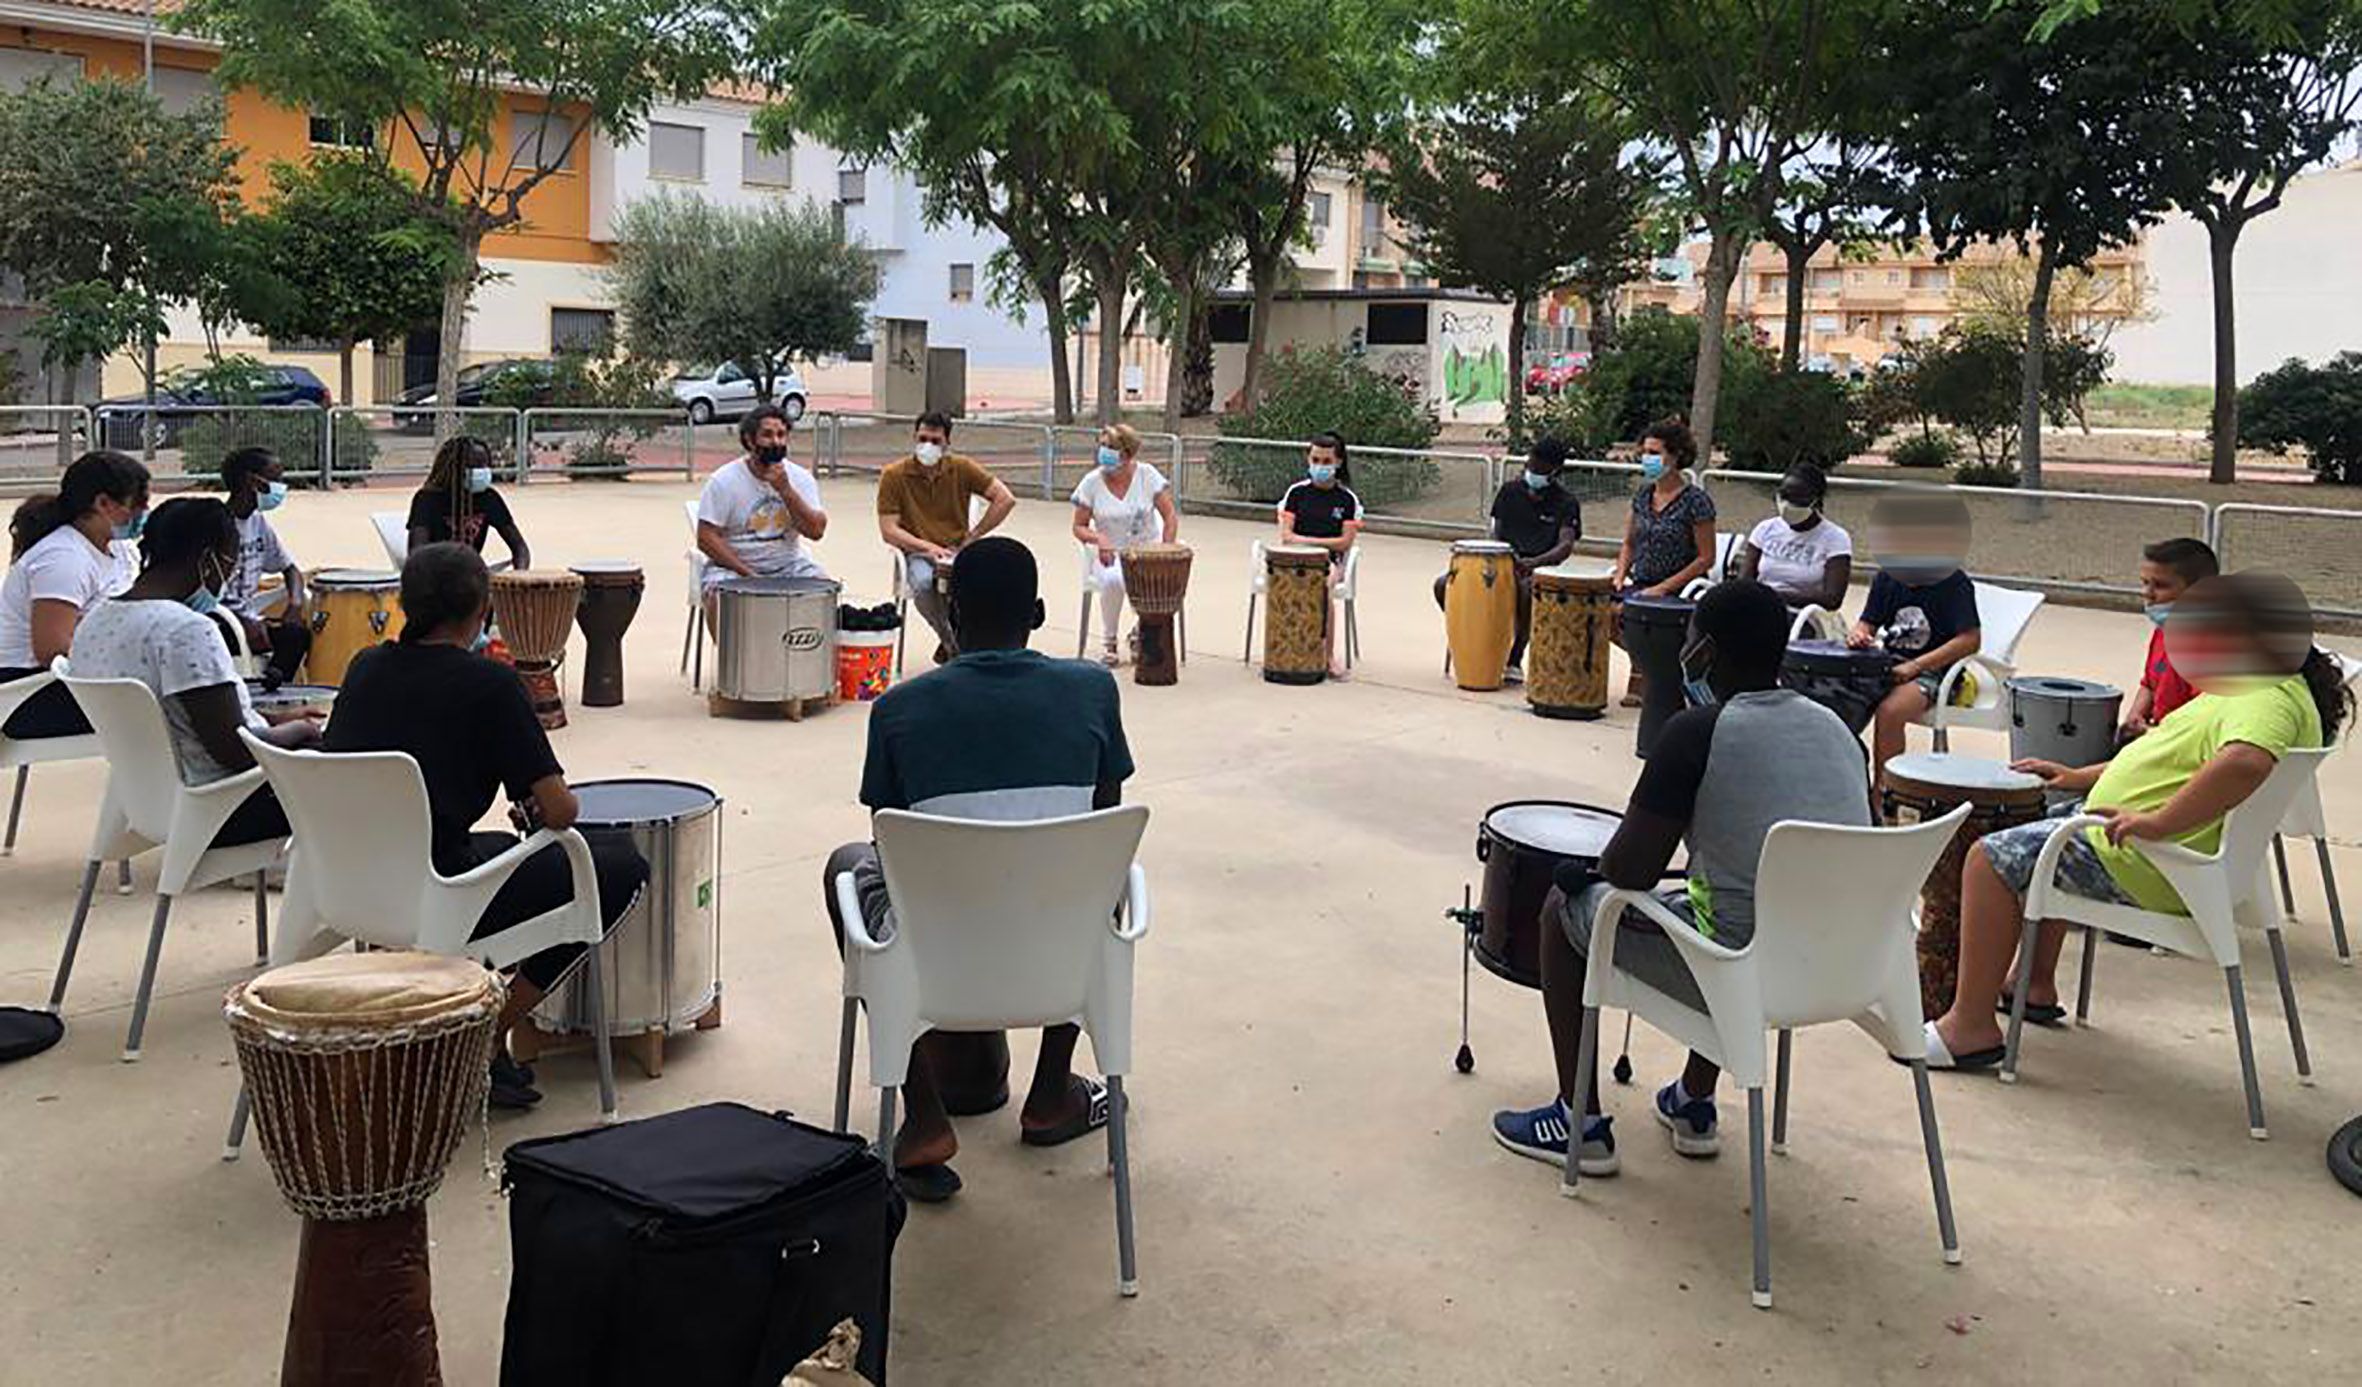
[(62, 561)]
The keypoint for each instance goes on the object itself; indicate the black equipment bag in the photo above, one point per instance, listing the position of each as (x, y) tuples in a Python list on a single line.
[(711, 1247)]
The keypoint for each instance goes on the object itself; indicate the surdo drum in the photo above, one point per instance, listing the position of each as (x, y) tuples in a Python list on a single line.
[(352, 610), (2069, 721), (1480, 611), (1655, 629), (1296, 614), (1521, 844), (1573, 626), (610, 598), (1156, 579), (536, 611), (1928, 785), (776, 639)]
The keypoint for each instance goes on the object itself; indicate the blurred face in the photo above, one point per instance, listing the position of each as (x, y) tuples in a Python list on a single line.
[(2223, 647), (2159, 584)]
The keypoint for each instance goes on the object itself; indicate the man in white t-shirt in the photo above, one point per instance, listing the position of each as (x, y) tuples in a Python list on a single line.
[(757, 511), (257, 484)]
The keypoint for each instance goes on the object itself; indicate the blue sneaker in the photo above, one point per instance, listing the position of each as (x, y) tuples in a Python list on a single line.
[(1540, 1134), (1691, 1124)]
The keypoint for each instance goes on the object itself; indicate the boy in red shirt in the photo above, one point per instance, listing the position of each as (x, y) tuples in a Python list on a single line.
[(2168, 567)]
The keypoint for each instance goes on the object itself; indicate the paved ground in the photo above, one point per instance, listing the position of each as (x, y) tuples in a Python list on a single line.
[(1319, 1200)]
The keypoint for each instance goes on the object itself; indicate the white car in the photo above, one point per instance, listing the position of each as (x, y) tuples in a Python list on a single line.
[(725, 392)]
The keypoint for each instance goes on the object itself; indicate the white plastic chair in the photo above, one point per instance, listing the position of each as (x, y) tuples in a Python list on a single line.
[(2223, 890), (362, 872), (1725, 545), (693, 637), (1000, 925), (1817, 623), (1348, 589), (393, 531), (2003, 614), (23, 755), (2307, 818), (147, 806), (1833, 942), (1082, 632)]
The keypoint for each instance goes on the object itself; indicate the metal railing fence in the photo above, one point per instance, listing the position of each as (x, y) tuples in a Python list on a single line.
[(181, 443), (1022, 454), (393, 442), (2320, 549), (592, 443), (1411, 490), (37, 441)]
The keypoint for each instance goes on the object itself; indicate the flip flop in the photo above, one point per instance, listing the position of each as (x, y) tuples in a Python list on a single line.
[(1939, 1057), (2040, 1013), (928, 1184), (1093, 1118)]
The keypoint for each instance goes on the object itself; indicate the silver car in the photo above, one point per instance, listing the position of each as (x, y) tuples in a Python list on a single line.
[(725, 392)]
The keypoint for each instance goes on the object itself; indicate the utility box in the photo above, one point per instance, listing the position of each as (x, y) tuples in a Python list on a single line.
[(898, 367), (947, 380)]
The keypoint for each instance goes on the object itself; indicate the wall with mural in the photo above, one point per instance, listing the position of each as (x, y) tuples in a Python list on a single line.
[(1472, 356)]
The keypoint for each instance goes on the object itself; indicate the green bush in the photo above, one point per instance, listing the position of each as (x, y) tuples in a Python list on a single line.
[(2317, 408), (1309, 391), (295, 435), (1994, 474), (1772, 422), (601, 446), (1646, 376), (1930, 449)]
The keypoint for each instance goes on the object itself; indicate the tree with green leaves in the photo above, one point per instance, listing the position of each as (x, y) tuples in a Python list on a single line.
[(760, 286), (1518, 194), (452, 77), (341, 253), (1829, 196)]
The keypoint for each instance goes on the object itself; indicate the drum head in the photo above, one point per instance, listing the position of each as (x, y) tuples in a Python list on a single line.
[(367, 992), (1579, 571), (623, 803), (2058, 686), (1570, 830), (1479, 546), (1658, 611), (1297, 552), (356, 578), (1836, 657), (609, 569), (1960, 772), (780, 587)]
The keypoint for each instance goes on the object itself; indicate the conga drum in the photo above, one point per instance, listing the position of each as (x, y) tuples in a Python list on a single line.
[(535, 609), (1296, 613), (364, 1072), (1480, 611), (1848, 682), (1574, 624), (352, 609), (610, 598), (1655, 629), (1156, 577), (1928, 785)]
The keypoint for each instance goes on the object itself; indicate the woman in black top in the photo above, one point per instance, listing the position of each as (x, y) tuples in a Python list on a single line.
[(1322, 511), (458, 504), (1669, 537)]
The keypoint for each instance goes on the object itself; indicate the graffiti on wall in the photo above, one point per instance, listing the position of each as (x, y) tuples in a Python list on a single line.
[(1475, 363), (1405, 366)]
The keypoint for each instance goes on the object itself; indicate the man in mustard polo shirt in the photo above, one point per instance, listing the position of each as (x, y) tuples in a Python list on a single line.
[(923, 514)]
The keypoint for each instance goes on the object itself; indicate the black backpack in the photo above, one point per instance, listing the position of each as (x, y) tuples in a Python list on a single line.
[(711, 1247)]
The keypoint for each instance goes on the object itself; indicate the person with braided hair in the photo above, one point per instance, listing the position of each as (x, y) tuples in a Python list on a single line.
[(458, 505)]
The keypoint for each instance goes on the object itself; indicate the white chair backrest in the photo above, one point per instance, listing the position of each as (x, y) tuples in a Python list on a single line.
[(2004, 614), (1726, 545), (1006, 922), (361, 830), (2248, 828), (393, 531), (14, 693), (1833, 913), (689, 509), (143, 775)]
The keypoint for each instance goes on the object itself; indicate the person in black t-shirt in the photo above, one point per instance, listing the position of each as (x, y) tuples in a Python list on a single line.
[(467, 723), (458, 505), (1323, 512), (1540, 521)]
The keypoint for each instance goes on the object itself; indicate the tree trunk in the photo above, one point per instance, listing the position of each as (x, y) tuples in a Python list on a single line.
[(1513, 397), (1053, 300), (457, 290), (1197, 398), (2030, 388), (1722, 263), (1080, 337), (2222, 244), (1265, 274), (1110, 274), (1792, 322), (344, 372), (1177, 352)]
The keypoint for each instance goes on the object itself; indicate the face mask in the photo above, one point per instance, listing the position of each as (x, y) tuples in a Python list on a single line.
[(771, 454), (481, 643), (206, 600), (271, 497), (133, 528), (928, 454), (1109, 458), (1697, 663), (1652, 465), (2156, 612), (479, 479), (1321, 472), (1538, 481), (1795, 514)]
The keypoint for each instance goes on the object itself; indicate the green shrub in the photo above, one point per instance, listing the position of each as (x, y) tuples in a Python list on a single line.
[(1318, 390), (1772, 422), (2004, 475), (294, 434), (601, 446), (1646, 376), (1931, 449), (2317, 408)]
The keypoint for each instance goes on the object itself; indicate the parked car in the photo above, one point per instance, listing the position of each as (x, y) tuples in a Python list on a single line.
[(512, 381), (1556, 373), (183, 397), (725, 392)]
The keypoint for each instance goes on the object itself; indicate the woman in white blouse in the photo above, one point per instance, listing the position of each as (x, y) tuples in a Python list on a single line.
[(1124, 502), (67, 555)]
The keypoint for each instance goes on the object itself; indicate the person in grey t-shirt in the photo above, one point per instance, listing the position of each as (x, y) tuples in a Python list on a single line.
[(1747, 756)]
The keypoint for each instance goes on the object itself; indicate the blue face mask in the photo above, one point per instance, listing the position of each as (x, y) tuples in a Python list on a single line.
[(2157, 612), (481, 643), (1697, 663), (1537, 481), (1652, 465), (1109, 458), (271, 497), (133, 528), (479, 479), (1321, 472), (204, 601)]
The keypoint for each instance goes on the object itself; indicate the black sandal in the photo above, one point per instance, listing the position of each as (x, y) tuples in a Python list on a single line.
[(1094, 1117), (2040, 1013)]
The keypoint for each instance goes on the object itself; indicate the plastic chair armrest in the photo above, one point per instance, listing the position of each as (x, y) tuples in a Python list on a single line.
[(1994, 672), (857, 932), (2046, 863), (1130, 924), (1805, 619), (499, 868), (1696, 948)]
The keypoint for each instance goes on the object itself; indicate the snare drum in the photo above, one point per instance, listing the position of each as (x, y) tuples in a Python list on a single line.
[(2069, 721), (1296, 613), (1574, 624), (1848, 682), (610, 599), (1928, 785), (1521, 843), (1480, 611), (535, 610), (1655, 629), (1156, 578), (663, 961), (352, 609)]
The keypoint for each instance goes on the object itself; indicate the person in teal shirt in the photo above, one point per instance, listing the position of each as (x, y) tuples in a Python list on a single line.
[(2245, 641)]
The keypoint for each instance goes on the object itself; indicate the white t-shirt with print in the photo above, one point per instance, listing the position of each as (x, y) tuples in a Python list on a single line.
[(754, 520), (259, 554), (1794, 560), (172, 650), (1126, 520), (62, 566)]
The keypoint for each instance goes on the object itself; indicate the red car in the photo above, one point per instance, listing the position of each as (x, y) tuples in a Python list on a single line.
[(1550, 376)]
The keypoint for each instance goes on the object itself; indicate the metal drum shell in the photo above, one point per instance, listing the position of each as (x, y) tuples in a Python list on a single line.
[(663, 961), (776, 639)]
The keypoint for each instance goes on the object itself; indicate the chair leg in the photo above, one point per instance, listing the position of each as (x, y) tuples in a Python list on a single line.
[(123, 877), (1586, 1057), (1126, 1260), (1779, 1140), (1082, 626), (147, 979), (594, 977), (1181, 644), (1759, 1216), (2017, 1001), (2337, 914), (1935, 1163), (2296, 1027), (262, 917), (1246, 648), (16, 809), (2091, 956), (2255, 1093), (845, 1064), (65, 961), (2280, 865), (236, 1140), (1352, 634), (697, 651), (885, 1143), (901, 634), (687, 631)]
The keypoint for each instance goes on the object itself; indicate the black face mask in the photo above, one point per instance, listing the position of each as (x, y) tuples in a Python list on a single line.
[(771, 454)]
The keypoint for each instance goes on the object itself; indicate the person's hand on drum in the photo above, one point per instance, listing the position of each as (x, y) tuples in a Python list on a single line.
[(1861, 637), (2046, 771), (299, 730)]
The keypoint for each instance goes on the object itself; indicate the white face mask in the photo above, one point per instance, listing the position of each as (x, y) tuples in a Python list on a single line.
[(928, 454), (1795, 514)]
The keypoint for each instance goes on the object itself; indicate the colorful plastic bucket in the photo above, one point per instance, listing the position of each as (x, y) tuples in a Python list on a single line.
[(865, 664)]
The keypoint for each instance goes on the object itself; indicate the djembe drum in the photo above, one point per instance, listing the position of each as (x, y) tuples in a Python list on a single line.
[(364, 1071), (535, 610), (1573, 626), (1156, 578), (1848, 682), (1296, 614), (1928, 785), (610, 598), (1480, 611)]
